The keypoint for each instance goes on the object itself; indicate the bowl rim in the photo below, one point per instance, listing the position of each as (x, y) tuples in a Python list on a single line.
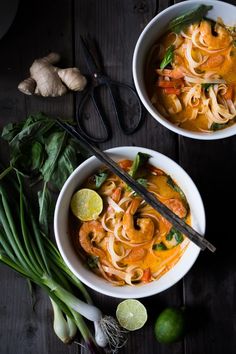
[(220, 134), (132, 292)]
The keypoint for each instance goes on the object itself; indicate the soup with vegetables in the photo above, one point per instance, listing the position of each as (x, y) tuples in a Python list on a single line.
[(190, 72), (118, 234)]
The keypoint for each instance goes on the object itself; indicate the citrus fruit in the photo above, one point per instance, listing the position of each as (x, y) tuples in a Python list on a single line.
[(86, 204), (131, 314), (170, 325)]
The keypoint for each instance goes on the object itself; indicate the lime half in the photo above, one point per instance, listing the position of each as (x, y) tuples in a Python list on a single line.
[(131, 314), (170, 325), (86, 204)]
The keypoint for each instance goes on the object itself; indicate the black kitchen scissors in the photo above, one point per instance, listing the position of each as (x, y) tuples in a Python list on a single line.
[(128, 123)]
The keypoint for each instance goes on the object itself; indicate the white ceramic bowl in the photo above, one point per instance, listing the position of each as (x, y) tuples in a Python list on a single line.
[(156, 28), (68, 252)]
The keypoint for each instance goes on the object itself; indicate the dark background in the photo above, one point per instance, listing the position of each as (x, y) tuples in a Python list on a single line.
[(208, 290)]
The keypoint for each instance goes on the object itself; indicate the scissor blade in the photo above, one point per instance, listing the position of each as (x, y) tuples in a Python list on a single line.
[(90, 55)]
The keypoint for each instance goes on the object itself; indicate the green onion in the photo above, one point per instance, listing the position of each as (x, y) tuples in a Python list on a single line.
[(25, 249)]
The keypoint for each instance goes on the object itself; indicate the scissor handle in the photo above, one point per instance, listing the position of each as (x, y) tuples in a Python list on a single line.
[(91, 94), (112, 86)]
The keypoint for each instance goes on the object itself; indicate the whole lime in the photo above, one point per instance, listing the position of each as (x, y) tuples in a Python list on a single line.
[(170, 325)]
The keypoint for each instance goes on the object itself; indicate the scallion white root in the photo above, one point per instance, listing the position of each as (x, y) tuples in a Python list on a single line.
[(64, 327)]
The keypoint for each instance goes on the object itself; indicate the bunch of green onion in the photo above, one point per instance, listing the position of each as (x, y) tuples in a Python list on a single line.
[(24, 248)]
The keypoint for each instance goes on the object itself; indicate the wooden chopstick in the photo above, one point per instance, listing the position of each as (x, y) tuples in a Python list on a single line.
[(178, 223)]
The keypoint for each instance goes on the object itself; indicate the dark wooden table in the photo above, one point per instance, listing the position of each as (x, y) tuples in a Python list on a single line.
[(208, 290)]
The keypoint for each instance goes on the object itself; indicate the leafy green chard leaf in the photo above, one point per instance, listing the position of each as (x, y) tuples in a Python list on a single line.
[(159, 247), (139, 161), (176, 188), (176, 234), (193, 16), (168, 58), (217, 126), (100, 178), (92, 261)]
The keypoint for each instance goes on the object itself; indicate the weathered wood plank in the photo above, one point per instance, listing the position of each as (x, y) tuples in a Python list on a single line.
[(39, 27), (116, 27), (210, 285)]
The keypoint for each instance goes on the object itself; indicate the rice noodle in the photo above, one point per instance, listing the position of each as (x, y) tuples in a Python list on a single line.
[(177, 107), (114, 205), (193, 63), (198, 80), (217, 112), (114, 256), (199, 43), (192, 97)]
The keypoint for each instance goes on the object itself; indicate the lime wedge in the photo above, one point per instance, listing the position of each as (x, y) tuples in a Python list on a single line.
[(131, 314), (86, 204)]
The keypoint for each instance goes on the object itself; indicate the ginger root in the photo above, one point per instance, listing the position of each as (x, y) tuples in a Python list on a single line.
[(48, 80)]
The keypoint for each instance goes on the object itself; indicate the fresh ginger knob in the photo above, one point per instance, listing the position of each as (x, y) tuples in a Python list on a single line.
[(48, 80)]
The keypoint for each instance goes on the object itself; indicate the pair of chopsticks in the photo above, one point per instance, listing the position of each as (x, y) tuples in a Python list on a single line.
[(178, 223)]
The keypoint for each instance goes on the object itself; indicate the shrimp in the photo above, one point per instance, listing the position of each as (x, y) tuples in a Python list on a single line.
[(135, 255), (92, 232), (221, 40), (116, 195), (176, 206), (145, 226), (213, 61)]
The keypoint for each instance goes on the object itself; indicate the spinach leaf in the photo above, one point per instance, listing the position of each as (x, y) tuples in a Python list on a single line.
[(176, 234), (218, 126), (100, 178), (168, 58), (139, 161), (159, 247), (196, 15)]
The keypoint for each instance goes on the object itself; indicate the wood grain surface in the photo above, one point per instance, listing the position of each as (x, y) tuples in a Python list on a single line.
[(208, 290)]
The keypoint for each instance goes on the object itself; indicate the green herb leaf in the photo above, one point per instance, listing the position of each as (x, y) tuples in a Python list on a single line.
[(92, 261), (54, 145), (159, 247), (168, 58), (45, 208), (176, 234), (217, 126), (206, 86), (176, 188), (66, 163), (193, 16), (140, 160), (100, 178), (142, 181)]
